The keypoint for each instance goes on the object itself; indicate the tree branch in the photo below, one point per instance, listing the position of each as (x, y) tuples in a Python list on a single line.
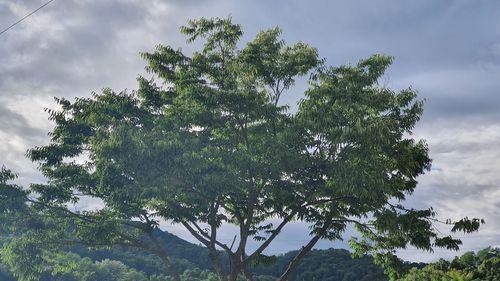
[(268, 241)]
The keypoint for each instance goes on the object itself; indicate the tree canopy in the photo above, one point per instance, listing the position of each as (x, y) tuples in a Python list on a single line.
[(483, 265), (208, 141)]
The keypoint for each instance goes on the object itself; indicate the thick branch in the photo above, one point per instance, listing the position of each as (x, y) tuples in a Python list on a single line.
[(210, 244), (195, 234), (208, 237), (245, 227), (306, 249), (270, 239), (296, 260), (158, 250)]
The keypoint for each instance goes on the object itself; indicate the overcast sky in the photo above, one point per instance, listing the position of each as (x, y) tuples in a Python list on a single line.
[(447, 50)]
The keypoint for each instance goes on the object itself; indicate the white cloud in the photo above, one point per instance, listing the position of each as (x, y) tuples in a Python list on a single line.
[(447, 52)]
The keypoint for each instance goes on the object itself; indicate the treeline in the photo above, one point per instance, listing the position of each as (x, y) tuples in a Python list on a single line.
[(128, 264), (319, 265), (483, 266), (326, 265), (72, 267)]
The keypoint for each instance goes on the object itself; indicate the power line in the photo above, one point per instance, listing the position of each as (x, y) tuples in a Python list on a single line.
[(25, 17)]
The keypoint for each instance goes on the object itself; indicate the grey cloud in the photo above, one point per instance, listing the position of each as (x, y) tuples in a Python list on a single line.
[(471, 147), (451, 43), (14, 123), (447, 50), (16, 136), (468, 91), (72, 49)]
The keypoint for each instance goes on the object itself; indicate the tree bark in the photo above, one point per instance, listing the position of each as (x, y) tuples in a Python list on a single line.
[(235, 267), (247, 274), (211, 246)]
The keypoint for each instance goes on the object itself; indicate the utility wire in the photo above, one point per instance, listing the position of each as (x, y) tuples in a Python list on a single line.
[(25, 17)]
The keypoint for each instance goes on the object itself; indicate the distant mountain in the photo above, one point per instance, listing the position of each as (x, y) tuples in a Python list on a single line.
[(184, 254), (327, 265), (324, 265)]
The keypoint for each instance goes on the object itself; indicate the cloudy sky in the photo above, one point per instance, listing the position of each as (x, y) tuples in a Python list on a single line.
[(448, 50)]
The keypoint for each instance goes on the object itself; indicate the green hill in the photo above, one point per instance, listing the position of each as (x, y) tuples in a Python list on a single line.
[(127, 264)]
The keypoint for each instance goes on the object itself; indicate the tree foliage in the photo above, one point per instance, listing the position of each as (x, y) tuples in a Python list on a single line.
[(211, 143), (125, 264), (484, 266)]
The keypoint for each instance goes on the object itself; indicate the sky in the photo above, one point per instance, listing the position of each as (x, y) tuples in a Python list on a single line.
[(449, 51)]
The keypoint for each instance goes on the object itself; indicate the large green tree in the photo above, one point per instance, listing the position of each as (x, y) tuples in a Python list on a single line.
[(211, 142)]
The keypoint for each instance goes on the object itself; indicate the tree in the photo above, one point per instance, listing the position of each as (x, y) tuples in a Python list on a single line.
[(428, 273), (213, 144), (470, 266)]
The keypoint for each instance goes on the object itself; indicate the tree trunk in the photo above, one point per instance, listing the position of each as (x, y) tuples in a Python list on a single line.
[(212, 253), (235, 267), (158, 250), (247, 274)]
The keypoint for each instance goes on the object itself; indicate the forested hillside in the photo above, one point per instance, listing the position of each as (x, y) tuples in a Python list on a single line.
[(481, 266), (327, 265), (127, 264)]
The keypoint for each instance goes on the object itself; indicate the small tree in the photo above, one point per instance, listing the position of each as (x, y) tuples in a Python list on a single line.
[(213, 144)]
